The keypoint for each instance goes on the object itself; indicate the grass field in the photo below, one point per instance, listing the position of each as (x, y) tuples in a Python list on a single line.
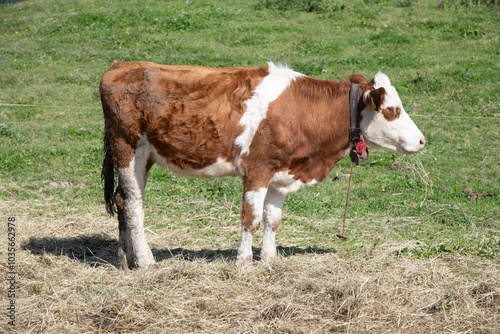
[(423, 246)]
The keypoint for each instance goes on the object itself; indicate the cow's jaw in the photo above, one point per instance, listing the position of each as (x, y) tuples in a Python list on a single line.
[(400, 135)]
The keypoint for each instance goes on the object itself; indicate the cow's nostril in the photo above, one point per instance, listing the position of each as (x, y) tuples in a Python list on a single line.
[(422, 142)]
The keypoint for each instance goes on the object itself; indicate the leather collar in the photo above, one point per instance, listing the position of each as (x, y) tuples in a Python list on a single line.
[(359, 151)]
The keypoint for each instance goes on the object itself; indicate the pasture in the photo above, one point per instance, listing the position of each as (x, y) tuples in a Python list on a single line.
[(423, 231)]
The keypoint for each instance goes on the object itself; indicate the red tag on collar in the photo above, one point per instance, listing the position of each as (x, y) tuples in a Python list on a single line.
[(361, 146)]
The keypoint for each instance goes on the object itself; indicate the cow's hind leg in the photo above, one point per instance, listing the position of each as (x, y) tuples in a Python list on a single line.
[(133, 251), (273, 206)]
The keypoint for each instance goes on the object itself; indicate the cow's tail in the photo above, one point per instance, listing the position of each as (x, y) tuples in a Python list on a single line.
[(108, 177)]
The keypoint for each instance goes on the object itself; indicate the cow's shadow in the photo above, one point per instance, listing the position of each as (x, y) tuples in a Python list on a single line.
[(94, 250), (100, 249)]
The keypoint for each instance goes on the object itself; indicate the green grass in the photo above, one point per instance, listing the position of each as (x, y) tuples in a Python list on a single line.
[(443, 57)]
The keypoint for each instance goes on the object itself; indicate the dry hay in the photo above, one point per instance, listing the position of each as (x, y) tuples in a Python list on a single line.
[(68, 283)]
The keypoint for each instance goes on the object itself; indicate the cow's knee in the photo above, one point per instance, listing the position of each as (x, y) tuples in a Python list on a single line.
[(251, 216)]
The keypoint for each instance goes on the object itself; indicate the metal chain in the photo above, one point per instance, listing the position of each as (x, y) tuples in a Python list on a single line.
[(341, 235)]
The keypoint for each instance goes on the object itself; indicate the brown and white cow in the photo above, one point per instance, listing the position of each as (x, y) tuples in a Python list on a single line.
[(280, 130)]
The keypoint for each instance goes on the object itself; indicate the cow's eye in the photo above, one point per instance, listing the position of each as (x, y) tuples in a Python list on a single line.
[(394, 110), (391, 113)]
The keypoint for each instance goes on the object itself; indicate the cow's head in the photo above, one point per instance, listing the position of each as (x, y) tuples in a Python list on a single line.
[(384, 122)]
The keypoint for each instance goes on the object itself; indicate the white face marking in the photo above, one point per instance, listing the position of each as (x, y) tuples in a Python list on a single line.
[(400, 135), (267, 91)]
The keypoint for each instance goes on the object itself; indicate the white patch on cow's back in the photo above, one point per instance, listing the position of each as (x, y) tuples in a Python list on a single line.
[(285, 183), (271, 87)]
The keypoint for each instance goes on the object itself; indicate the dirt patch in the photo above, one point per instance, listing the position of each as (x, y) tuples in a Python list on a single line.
[(63, 184), (474, 195), (396, 165)]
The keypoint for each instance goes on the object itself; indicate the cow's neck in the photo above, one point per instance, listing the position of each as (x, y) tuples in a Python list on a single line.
[(322, 111)]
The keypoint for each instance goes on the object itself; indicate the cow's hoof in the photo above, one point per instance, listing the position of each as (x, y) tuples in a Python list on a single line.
[(143, 259), (122, 259), (135, 262), (267, 257), (145, 263), (244, 262)]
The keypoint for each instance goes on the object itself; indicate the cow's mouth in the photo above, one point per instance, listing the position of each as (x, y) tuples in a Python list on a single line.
[(399, 149)]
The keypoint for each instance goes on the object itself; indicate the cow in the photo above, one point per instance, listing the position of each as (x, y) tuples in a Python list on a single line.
[(276, 128)]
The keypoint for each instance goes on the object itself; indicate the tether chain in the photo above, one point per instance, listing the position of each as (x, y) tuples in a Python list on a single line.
[(341, 235)]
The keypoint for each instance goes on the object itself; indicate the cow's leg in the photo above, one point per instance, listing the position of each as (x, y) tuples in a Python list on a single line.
[(251, 214), (133, 251), (273, 206)]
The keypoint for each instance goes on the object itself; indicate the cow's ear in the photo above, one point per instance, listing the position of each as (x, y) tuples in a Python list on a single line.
[(374, 98), (356, 78)]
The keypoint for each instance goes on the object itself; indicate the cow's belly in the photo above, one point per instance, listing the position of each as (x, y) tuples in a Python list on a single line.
[(286, 184), (220, 168), (145, 151)]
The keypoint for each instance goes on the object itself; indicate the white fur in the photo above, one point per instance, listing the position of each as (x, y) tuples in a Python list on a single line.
[(218, 169), (273, 207), (400, 135), (285, 183), (267, 91), (256, 200), (267, 203), (133, 182), (245, 254)]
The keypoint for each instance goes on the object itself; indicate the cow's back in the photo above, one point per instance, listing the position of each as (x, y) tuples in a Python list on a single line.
[(189, 114)]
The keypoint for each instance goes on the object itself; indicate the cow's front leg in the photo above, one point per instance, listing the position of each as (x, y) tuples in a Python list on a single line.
[(251, 215), (273, 206), (133, 249)]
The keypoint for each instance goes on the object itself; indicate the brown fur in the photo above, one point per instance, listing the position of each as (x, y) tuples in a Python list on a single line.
[(305, 131), (391, 113), (190, 114)]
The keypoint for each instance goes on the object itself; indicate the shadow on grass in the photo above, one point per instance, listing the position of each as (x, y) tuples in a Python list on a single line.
[(94, 250), (229, 254), (100, 249), (4, 2)]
